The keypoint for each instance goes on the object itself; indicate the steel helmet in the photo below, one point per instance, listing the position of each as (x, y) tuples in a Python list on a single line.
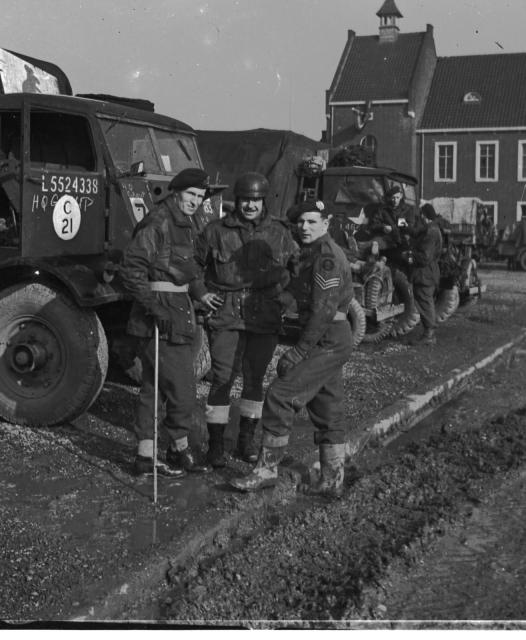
[(251, 185)]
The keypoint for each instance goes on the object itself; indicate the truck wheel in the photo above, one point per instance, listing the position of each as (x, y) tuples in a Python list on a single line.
[(53, 356), (356, 317), (521, 259), (446, 303), (375, 331), (403, 294)]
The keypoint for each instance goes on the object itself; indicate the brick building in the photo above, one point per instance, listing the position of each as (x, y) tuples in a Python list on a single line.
[(457, 123)]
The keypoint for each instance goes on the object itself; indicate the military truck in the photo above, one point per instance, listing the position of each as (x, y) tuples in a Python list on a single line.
[(76, 175)]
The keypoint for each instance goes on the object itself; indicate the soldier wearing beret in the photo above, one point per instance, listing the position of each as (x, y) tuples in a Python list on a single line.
[(160, 273), (310, 373), (245, 256)]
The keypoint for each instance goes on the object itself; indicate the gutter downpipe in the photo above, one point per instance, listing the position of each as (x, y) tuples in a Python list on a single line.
[(422, 167)]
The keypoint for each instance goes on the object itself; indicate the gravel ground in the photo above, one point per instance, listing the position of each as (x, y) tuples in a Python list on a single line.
[(74, 525)]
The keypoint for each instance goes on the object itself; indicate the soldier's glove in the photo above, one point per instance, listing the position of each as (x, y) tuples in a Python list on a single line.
[(162, 318), (289, 360)]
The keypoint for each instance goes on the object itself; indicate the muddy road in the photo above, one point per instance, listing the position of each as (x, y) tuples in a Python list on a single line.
[(429, 527)]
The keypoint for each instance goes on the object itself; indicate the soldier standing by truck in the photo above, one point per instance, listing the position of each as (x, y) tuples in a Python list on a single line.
[(159, 271), (310, 373), (245, 256), (427, 247)]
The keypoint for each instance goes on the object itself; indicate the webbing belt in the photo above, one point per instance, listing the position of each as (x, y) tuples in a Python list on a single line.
[(168, 287)]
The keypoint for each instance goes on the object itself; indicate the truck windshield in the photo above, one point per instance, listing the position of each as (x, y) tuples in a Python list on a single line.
[(348, 194), (163, 152)]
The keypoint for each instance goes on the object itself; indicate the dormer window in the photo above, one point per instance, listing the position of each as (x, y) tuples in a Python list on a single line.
[(472, 97)]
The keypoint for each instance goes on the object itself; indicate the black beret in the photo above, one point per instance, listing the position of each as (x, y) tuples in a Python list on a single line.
[(428, 211), (308, 206), (188, 178), (393, 190)]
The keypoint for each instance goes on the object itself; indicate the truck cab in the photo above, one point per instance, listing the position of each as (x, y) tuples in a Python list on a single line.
[(76, 176)]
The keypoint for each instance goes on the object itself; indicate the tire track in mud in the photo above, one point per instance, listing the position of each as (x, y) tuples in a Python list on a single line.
[(323, 563), (477, 571)]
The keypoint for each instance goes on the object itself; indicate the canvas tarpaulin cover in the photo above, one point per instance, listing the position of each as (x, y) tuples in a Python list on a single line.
[(274, 153), (22, 74)]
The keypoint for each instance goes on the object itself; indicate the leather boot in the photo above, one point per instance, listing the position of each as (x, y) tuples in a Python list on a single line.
[(216, 446), (264, 474), (330, 483), (428, 337), (246, 449)]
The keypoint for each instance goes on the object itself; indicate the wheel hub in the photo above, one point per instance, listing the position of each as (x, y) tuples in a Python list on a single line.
[(27, 357)]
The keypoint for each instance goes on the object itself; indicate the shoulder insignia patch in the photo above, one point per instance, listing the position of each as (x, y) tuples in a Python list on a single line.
[(327, 264)]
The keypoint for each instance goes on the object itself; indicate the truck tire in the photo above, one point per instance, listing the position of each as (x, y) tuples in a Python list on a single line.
[(521, 259), (403, 293), (446, 303), (357, 320), (53, 356), (375, 331)]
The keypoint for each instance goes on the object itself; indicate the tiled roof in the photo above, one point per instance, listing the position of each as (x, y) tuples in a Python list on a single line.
[(375, 70), (499, 79)]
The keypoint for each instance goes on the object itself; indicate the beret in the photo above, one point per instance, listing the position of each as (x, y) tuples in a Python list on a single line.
[(393, 190), (428, 211), (188, 178), (308, 206)]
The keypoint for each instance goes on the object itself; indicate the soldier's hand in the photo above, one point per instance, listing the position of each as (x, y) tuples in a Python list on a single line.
[(162, 319), (289, 360), (212, 300)]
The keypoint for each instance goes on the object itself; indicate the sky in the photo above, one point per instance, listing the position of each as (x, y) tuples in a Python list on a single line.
[(236, 64)]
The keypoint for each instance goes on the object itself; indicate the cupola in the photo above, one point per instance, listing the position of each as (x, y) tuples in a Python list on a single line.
[(388, 13)]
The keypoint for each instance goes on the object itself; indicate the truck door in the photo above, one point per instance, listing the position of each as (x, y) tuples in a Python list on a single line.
[(63, 200)]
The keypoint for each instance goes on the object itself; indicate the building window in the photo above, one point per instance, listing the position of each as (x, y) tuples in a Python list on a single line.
[(445, 161), (521, 210), (472, 97), (487, 169), (521, 161)]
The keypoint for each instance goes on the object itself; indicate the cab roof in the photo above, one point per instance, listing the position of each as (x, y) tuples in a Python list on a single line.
[(88, 106)]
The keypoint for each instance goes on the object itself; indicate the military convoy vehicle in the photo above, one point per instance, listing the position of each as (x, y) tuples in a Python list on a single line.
[(76, 175)]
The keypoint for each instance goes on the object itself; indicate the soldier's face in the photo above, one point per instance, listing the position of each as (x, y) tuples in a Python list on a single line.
[(250, 208), (311, 226), (395, 199), (189, 200)]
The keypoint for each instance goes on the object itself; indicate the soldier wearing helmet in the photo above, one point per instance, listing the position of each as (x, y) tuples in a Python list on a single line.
[(246, 257)]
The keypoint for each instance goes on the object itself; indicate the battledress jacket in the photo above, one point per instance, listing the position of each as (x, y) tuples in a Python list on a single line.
[(321, 286), (248, 263), (162, 250), (427, 248)]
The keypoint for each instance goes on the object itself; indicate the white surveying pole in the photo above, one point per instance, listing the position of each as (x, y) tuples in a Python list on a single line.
[(155, 410)]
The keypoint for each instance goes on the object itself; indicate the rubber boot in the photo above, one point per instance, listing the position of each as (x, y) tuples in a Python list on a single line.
[(216, 445), (246, 449), (264, 474), (330, 483)]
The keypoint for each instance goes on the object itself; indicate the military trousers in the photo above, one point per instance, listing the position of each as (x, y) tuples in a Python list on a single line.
[(425, 303), (235, 352), (315, 383), (177, 389)]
